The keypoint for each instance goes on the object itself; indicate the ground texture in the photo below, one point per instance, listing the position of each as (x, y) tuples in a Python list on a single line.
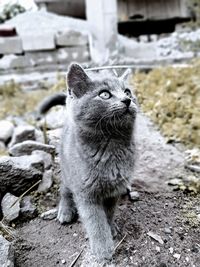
[(161, 229)]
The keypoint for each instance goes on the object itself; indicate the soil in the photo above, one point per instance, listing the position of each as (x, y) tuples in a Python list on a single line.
[(159, 210)]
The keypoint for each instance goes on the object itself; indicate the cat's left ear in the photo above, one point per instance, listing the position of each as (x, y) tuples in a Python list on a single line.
[(77, 80), (125, 76)]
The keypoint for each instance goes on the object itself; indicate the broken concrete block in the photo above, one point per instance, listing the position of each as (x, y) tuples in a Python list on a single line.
[(42, 58), (68, 54), (15, 62), (71, 38), (10, 45), (46, 157), (38, 42), (6, 253), (23, 133), (10, 207)]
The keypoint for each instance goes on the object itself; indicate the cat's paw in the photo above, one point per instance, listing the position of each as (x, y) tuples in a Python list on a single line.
[(103, 253), (114, 230), (64, 215)]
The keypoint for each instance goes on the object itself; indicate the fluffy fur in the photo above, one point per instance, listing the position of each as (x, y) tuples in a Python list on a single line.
[(97, 153)]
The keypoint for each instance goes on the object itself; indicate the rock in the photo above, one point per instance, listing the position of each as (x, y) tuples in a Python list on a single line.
[(23, 133), (6, 130), (177, 256), (155, 237), (27, 147), (71, 38), (10, 45), (46, 182), (19, 173), (6, 253), (27, 208), (49, 215), (134, 195), (10, 207), (46, 158), (167, 230)]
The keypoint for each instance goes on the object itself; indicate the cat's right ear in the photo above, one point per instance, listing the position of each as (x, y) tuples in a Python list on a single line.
[(77, 80)]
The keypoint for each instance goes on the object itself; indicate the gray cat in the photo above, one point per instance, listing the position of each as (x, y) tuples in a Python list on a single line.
[(97, 152)]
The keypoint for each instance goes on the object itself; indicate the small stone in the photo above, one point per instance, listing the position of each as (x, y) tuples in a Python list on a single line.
[(198, 217), (187, 259), (6, 253), (10, 207), (46, 182), (157, 248), (63, 261), (46, 158), (195, 248), (75, 234), (6, 130), (167, 230), (177, 256), (155, 237), (27, 208), (49, 215), (134, 195), (171, 250)]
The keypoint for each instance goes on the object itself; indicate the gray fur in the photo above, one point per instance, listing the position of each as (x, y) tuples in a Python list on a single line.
[(97, 154)]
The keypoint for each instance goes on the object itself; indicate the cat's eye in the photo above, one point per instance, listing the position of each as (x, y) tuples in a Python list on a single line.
[(128, 93), (105, 94)]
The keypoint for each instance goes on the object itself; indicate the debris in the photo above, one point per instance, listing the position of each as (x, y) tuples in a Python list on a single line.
[(134, 195), (49, 215), (155, 237), (167, 230), (46, 182), (177, 256), (157, 248), (171, 250)]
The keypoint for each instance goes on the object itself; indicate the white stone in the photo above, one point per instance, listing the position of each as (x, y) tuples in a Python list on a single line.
[(10, 207), (38, 42), (10, 45), (6, 130), (23, 133), (71, 38)]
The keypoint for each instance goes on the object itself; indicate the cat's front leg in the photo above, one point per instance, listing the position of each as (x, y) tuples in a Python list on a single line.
[(98, 229)]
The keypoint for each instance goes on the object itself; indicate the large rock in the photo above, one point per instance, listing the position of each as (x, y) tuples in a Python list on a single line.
[(10, 45), (17, 174), (6, 130), (6, 253), (27, 147), (10, 207)]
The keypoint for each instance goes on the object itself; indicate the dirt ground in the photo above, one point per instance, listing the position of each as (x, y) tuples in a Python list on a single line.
[(168, 214)]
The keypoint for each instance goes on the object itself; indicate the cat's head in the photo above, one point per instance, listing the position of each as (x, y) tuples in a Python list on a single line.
[(101, 101)]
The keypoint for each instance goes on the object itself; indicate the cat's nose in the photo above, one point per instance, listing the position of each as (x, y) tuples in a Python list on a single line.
[(126, 101)]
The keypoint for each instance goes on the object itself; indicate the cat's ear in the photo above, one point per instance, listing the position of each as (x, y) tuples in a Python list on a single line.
[(77, 80), (125, 76)]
